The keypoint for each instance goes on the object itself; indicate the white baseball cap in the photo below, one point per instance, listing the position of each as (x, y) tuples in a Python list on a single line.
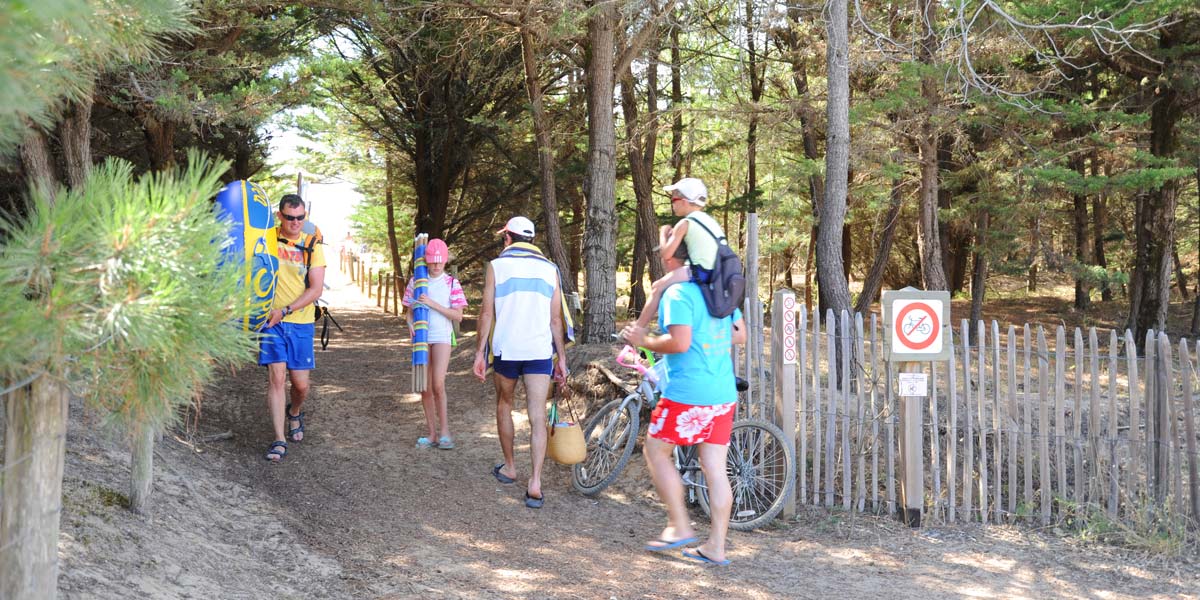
[(692, 190), (519, 226)]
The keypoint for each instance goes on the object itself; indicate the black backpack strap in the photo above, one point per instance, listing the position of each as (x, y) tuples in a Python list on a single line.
[(705, 228)]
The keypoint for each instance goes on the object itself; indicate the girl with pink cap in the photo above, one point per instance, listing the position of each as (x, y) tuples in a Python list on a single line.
[(445, 301)]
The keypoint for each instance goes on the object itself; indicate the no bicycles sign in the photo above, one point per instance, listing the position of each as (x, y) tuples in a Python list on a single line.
[(914, 324)]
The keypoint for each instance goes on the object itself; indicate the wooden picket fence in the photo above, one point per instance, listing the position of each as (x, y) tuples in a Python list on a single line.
[(1022, 423)]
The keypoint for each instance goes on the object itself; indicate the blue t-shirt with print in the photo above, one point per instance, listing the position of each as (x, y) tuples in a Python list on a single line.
[(703, 375)]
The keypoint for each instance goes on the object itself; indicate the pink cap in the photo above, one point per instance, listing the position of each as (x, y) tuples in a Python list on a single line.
[(436, 251)]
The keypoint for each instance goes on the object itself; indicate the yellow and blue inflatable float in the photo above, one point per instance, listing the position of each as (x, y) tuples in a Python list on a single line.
[(254, 245)]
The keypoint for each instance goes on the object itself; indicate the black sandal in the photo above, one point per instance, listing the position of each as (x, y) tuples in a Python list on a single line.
[(277, 451), (300, 417)]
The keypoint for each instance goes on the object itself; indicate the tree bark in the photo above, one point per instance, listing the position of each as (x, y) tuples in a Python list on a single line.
[(600, 239), (1099, 224), (755, 68), (1156, 221), (833, 293), (642, 143), (141, 463), (160, 141), (874, 280), (75, 135), (34, 450), (637, 290), (955, 236), (1180, 276), (389, 202), (980, 268), (676, 108), (930, 247), (37, 160), (541, 129), (1083, 295)]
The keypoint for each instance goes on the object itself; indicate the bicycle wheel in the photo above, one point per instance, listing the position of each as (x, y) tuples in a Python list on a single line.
[(611, 435), (762, 472)]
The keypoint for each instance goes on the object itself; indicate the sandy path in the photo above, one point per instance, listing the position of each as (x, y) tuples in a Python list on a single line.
[(399, 522)]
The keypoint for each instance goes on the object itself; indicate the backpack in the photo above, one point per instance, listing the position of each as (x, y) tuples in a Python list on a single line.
[(726, 286)]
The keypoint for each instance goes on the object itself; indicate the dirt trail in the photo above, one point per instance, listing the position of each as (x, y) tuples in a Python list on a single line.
[(368, 515)]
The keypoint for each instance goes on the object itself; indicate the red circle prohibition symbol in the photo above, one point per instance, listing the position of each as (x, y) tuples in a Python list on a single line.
[(900, 327)]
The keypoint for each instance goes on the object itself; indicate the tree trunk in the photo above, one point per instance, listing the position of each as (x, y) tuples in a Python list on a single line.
[(34, 450), (1099, 224), (874, 278), (979, 272), (1083, 295), (141, 463), (676, 108), (541, 130), (1035, 248), (637, 290), (37, 160), (755, 67), (75, 135), (832, 289), (389, 203), (955, 235), (160, 142), (1180, 277), (1156, 223), (930, 247), (600, 239), (642, 139)]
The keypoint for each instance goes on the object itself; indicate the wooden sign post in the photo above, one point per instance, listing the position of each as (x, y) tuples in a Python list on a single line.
[(914, 325), (784, 352)]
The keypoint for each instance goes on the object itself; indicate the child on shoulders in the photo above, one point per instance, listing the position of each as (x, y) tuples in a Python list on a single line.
[(687, 240)]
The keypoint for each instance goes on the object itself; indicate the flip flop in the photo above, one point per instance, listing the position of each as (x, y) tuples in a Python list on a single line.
[(501, 477), (661, 545), (445, 443), (700, 557), (532, 502)]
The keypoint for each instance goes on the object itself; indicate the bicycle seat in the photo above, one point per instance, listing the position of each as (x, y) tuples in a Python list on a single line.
[(742, 384)]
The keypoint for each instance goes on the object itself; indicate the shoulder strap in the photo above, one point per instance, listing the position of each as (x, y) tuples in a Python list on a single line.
[(705, 228)]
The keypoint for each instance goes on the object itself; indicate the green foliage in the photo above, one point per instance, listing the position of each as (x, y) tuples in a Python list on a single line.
[(54, 49), (119, 289), (1149, 526)]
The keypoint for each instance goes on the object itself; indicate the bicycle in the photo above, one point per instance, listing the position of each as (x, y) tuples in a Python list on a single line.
[(761, 466)]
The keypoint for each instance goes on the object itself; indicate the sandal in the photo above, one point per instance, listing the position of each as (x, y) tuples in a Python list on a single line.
[(276, 451), (296, 434), (424, 442), (445, 443)]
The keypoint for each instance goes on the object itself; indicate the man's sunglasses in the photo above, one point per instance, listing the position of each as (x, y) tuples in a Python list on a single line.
[(299, 217)]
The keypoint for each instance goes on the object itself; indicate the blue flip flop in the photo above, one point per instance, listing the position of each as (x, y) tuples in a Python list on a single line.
[(501, 477), (700, 557), (532, 502), (665, 545)]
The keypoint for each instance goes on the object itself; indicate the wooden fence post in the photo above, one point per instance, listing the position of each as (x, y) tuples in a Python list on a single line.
[(783, 369), (1189, 430), (387, 293), (912, 484), (379, 289)]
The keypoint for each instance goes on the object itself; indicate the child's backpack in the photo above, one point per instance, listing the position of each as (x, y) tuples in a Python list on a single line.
[(726, 286)]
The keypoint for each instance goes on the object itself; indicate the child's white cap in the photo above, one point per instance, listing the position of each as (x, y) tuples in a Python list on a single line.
[(691, 189)]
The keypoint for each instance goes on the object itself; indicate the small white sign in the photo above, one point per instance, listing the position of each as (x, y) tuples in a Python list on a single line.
[(914, 384)]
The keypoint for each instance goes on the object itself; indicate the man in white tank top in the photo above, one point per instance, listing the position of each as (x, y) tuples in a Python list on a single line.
[(521, 323)]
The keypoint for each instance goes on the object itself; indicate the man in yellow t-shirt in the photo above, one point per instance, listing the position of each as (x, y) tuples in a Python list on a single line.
[(286, 347)]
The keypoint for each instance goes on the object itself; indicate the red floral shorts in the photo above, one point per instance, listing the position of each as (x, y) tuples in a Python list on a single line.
[(688, 425)]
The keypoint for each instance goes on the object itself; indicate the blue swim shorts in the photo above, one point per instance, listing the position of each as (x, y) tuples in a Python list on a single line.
[(290, 343), (514, 369)]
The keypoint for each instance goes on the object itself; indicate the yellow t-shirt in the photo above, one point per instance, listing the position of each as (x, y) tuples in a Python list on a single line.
[(289, 282)]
